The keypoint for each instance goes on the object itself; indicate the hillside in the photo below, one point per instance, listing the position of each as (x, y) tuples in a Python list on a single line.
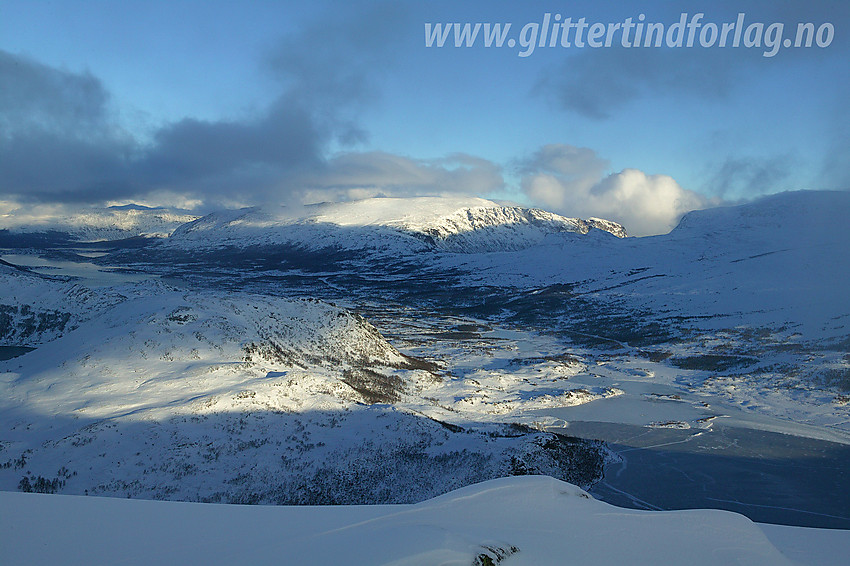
[(168, 393)]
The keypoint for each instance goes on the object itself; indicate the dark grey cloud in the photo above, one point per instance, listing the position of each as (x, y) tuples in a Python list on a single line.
[(41, 165), (335, 63), (56, 133), (60, 142), (336, 57), (35, 96), (64, 146), (282, 139)]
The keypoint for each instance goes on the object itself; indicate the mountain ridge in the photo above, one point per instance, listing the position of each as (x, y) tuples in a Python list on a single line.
[(455, 225)]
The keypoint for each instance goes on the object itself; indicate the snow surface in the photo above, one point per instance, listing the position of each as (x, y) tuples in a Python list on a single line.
[(526, 520)]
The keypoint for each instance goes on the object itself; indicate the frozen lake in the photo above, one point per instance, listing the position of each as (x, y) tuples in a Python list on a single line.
[(87, 273), (9, 352), (768, 476)]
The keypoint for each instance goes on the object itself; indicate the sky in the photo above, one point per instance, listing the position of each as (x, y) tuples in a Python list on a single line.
[(205, 105)]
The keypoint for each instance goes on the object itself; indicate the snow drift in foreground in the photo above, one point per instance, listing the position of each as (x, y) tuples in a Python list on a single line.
[(525, 520)]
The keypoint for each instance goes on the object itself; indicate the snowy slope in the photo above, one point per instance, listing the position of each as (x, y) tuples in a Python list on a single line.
[(779, 261), (161, 346), (35, 309), (200, 395), (527, 520), (452, 224)]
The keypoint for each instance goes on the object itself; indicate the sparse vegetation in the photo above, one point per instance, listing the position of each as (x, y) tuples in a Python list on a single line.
[(656, 355), (493, 555), (837, 377), (22, 323), (40, 485), (712, 362), (375, 387)]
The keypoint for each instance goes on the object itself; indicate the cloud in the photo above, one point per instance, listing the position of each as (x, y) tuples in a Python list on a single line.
[(334, 64), (367, 174), (835, 168), (42, 165), (335, 56), (60, 142), (597, 83), (35, 96), (751, 176), (56, 132), (62, 146), (278, 155), (214, 159), (835, 171), (570, 181), (646, 204), (577, 168)]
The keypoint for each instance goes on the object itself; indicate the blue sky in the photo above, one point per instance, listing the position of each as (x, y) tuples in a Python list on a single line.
[(211, 104)]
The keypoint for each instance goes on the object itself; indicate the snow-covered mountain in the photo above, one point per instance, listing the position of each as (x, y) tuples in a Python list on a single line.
[(450, 224), (781, 259), (98, 224), (800, 216)]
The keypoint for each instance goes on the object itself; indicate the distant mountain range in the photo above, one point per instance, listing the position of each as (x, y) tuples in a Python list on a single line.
[(97, 224)]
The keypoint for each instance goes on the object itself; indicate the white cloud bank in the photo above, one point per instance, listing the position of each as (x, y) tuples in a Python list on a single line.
[(571, 181)]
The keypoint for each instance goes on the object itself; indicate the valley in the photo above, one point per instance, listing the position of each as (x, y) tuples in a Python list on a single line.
[(281, 360)]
